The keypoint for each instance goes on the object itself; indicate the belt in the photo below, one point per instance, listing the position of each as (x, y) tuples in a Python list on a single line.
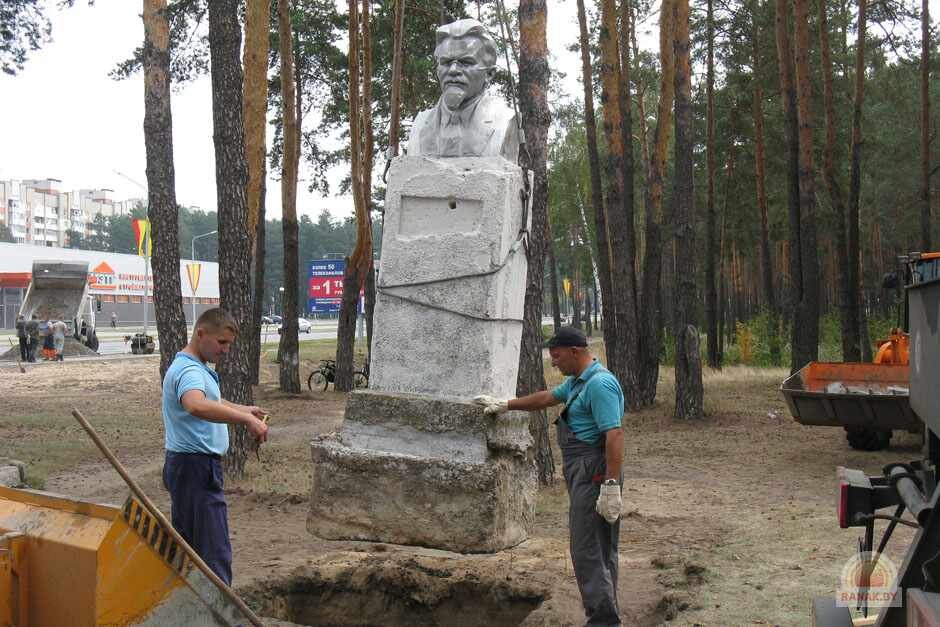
[(215, 456)]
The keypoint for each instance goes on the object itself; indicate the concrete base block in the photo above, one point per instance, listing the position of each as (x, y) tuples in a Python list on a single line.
[(12, 473), (418, 470)]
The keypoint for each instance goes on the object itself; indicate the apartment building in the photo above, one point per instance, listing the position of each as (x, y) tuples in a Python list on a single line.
[(40, 212)]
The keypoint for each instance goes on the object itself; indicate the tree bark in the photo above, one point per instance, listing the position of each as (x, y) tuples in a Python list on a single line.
[(619, 222), (257, 25), (689, 390), (597, 200), (851, 348), (161, 184), (231, 174), (856, 313), (359, 264), (257, 303), (767, 271), (792, 144), (711, 240), (536, 118), (553, 277), (806, 348), (925, 239), (289, 371), (651, 322)]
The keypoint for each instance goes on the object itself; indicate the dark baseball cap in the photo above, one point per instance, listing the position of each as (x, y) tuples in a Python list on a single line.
[(567, 336)]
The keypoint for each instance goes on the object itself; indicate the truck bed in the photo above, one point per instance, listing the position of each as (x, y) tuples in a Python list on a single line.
[(876, 396)]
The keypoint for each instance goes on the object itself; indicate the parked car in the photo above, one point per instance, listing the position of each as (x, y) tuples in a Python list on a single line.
[(303, 326), (267, 320), (276, 319)]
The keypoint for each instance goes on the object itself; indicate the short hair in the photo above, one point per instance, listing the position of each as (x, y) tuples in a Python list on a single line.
[(216, 319), (467, 28)]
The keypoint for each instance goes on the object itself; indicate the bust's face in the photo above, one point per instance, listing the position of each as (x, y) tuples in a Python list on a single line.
[(462, 70)]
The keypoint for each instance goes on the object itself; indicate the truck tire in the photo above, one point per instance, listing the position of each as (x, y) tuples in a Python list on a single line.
[(866, 439), (92, 341)]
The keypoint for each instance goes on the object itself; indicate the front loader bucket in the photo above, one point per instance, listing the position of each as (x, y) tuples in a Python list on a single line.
[(70, 562)]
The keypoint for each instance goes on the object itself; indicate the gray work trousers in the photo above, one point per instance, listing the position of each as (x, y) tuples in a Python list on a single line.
[(593, 541)]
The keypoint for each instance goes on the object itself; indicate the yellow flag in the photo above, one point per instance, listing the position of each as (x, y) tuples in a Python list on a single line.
[(194, 271), (566, 284)]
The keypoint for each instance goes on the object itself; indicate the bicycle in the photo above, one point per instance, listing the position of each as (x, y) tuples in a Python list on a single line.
[(326, 374)]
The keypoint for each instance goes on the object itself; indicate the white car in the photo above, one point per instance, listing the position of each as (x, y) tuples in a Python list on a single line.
[(303, 326)]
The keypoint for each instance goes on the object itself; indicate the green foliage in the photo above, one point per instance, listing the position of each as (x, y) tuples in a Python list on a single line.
[(5, 234), (24, 28)]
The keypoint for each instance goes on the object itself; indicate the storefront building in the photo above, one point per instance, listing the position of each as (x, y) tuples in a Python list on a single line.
[(115, 280)]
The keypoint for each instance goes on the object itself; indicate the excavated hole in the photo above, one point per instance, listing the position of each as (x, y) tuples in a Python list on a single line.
[(392, 595)]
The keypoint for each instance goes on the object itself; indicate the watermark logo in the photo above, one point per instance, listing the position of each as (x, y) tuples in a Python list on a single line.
[(868, 579)]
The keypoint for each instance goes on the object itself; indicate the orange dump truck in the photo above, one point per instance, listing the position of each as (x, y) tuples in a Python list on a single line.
[(65, 562)]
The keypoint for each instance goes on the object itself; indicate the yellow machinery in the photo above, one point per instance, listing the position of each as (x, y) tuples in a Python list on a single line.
[(70, 563)]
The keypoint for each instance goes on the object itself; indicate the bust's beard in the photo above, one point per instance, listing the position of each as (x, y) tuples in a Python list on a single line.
[(453, 96)]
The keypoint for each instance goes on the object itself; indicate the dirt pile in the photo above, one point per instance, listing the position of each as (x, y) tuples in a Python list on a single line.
[(73, 348)]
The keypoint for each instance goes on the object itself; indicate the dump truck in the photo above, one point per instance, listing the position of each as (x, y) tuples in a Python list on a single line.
[(907, 490), (868, 400), (59, 291)]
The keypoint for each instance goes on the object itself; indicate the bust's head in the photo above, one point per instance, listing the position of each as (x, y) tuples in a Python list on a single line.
[(466, 61)]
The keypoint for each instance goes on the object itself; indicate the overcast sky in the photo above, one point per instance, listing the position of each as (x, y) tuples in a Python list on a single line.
[(63, 117)]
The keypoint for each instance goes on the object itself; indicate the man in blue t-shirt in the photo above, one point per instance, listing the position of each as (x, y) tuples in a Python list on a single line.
[(195, 418), (591, 441)]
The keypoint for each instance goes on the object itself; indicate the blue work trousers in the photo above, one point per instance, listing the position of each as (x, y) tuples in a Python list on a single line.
[(198, 509)]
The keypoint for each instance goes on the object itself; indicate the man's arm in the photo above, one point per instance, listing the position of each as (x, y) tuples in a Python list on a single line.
[(614, 453), (196, 403), (494, 406), (533, 402), (257, 412)]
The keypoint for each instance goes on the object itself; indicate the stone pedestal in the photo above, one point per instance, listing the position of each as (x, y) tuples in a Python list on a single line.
[(416, 462), (425, 471)]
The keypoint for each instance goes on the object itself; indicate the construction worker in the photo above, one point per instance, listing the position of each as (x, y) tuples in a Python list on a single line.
[(591, 441), (23, 337), (32, 329), (195, 417), (59, 331)]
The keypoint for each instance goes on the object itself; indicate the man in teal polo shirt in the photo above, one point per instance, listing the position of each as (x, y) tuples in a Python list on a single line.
[(591, 441)]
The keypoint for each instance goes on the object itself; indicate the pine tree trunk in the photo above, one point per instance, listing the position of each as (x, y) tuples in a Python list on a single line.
[(806, 348), (851, 349), (359, 264), (619, 223), (767, 270), (161, 184), (651, 307), (257, 23), (600, 213), (234, 241), (689, 390), (289, 370), (792, 143), (925, 239), (856, 313), (258, 299), (553, 277), (536, 118), (711, 239)]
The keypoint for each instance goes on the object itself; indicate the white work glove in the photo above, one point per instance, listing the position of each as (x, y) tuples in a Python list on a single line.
[(609, 504), (492, 406)]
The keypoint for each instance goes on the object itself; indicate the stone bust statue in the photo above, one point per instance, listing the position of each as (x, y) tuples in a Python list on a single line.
[(467, 121)]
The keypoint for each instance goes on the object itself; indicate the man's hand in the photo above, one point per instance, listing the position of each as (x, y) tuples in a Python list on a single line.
[(257, 412), (492, 406), (257, 428), (609, 503)]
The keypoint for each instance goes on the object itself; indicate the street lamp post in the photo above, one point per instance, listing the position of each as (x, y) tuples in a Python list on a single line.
[(194, 259), (281, 291)]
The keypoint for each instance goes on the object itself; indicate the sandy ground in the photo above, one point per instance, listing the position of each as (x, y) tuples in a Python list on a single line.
[(730, 521)]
